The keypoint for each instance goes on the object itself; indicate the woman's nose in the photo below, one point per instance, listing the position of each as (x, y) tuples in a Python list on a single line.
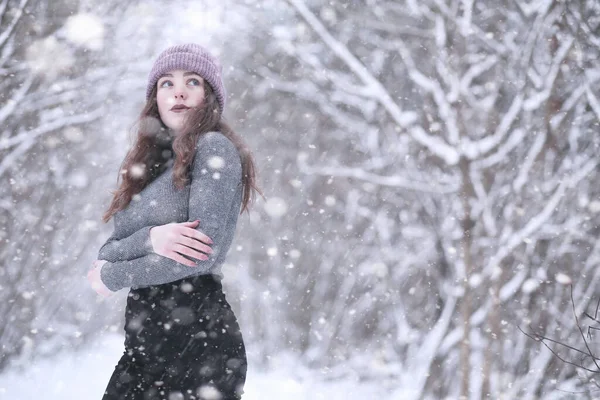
[(180, 94)]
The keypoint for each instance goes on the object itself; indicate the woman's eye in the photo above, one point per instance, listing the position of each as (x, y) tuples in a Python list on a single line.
[(194, 82), (165, 83)]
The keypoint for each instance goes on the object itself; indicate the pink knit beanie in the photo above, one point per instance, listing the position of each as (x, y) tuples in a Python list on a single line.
[(190, 57)]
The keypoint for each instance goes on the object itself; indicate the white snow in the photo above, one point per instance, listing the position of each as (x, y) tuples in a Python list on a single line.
[(530, 285), (83, 375), (73, 134), (137, 170), (275, 207), (594, 206), (49, 57), (78, 179), (295, 253), (563, 279), (216, 162), (85, 30)]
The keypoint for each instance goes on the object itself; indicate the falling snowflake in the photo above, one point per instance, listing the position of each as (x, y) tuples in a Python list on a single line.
[(330, 201), (216, 162), (563, 279), (49, 57), (276, 207), (529, 286), (209, 393), (475, 280), (85, 30), (137, 170), (78, 179), (73, 134)]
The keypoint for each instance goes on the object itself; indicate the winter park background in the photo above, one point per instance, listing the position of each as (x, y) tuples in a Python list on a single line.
[(431, 178)]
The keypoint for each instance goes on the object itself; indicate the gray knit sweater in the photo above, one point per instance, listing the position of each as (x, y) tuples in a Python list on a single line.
[(213, 196)]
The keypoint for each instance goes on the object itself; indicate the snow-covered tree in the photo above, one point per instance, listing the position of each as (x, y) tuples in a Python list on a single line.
[(53, 91), (437, 165)]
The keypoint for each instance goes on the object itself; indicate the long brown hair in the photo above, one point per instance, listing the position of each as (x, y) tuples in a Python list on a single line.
[(154, 147)]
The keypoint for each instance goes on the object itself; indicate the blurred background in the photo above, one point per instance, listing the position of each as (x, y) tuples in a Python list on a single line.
[(430, 170)]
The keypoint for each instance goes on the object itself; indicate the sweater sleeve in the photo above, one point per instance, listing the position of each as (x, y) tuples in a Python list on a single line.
[(131, 247), (216, 173)]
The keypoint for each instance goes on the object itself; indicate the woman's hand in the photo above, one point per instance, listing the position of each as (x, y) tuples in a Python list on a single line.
[(96, 281), (173, 240)]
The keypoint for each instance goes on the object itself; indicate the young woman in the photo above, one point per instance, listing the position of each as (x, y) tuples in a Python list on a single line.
[(185, 181)]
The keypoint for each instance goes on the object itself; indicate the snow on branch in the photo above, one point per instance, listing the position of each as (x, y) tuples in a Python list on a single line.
[(535, 100), (528, 9), (593, 101), (529, 160), (438, 148), (514, 140), (542, 217), (567, 106), (583, 357), (475, 71), (390, 181), (307, 90), (427, 351), (18, 13), (28, 139), (474, 150), (15, 100)]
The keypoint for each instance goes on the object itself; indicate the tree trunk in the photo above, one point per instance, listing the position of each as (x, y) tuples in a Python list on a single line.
[(467, 193), (493, 336)]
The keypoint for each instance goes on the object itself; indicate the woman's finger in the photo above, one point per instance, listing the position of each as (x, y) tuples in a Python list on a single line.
[(180, 259), (181, 249), (195, 234), (195, 244), (191, 222)]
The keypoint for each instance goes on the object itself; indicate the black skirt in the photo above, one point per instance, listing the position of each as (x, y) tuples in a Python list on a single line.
[(182, 341)]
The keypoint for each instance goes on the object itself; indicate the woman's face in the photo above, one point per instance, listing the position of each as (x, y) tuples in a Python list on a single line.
[(177, 92)]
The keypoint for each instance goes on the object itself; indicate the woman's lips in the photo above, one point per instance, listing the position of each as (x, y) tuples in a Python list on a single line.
[(179, 108)]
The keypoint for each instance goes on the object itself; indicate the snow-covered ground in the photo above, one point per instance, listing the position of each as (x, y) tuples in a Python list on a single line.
[(83, 375)]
